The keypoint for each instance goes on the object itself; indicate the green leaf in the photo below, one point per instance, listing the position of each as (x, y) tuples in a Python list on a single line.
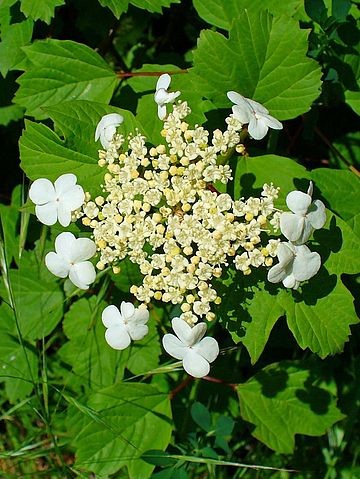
[(120, 6), (223, 13), (342, 191), (38, 300), (324, 331), (252, 172), (40, 9), (92, 360), (281, 401), (264, 59), (264, 313), (16, 35), (9, 216), (353, 97), (134, 418), (44, 155), (10, 113), (201, 416), (77, 121), (144, 354), (63, 70), (18, 366)]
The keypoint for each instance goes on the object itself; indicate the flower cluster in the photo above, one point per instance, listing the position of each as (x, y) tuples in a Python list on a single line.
[(161, 209), (296, 262)]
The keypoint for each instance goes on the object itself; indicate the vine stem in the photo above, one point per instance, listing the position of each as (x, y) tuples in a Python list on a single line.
[(122, 74)]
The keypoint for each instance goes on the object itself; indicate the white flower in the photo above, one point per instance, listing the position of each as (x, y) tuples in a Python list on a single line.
[(253, 113), (296, 263), (195, 351), (106, 128), (124, 326), (71, 258), (305, 217), (162, 96), (56, 201)]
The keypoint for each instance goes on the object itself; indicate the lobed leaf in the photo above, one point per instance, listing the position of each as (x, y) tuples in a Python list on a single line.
[(63, 70), (40, 9), (282, 401), (263, 59)]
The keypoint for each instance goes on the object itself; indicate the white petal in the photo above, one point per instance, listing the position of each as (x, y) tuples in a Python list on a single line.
[(306, 263), (127, 309), (272, 122), (277, 273), (257, 128), (310, 189), (65, 183), (82, 249), (242, 114), (298, 202), (198, 332), (290, 282), (257, 107), (161, 111), (47, 213), (172, 96), (111, 316), (208, 348), (317, 214), (305, 233), (82, 274), (161, 97), (285, 253), (141, 316), (174, 346), (163, 81), (237, 98), (63, 214), (64, 243), (291, 225), (56, 265), (195, 365), (73, 198), (137, 331), (42, 191), (117, 337), (186, 333), (111, 119)]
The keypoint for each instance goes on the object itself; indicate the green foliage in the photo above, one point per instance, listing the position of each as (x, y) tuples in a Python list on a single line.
[(264, 59), (120, 6), (15, 36), (62, 71), (283, 400), (118, 439), (40, 9)]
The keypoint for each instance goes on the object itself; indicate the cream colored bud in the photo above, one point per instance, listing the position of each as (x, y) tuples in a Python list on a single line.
[(94, 223), (269, 261), (146, 207), (210, 316), (145, 162), (185, 307), (134, 174), (173, 170), (100, 265), (195, 260), (249, 216), (101, 216), (122, 157), (133, 289), (161, 230), (166, 297), (249, 246), (116, 269), (247, 272), (190, 298), (153, 151), (118, 219), (102, 244), (188, 250), (99, 200), (218, 300), (157, 295), (86, 221), (264, 252), (191, 268), (102, 162), (161, 149), (184, 161), (157, 217), (255, 240), (148, 175)]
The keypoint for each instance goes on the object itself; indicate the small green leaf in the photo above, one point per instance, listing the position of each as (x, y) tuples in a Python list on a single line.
[(18, 367), (144, 354), (135, 418), (201, 416), (10, 113), (40, 9), (264, 59), (281, 401), (16, 35), (63, 70), (223, 13)]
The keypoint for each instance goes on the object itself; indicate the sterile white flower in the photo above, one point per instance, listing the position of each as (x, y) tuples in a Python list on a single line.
[(195, 351), (162, 96), (253, 113), (296, 264), (125, 325), (106, 128), (71, 258), (306, 216), (56, 201)]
